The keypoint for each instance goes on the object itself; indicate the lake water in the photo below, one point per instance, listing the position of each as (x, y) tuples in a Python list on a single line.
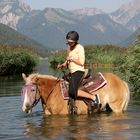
[(16, 125)]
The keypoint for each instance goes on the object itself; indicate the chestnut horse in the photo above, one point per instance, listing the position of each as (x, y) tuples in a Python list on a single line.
[(115, 95)]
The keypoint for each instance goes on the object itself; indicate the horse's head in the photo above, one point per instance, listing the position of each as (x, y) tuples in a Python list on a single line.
[(30, 93)]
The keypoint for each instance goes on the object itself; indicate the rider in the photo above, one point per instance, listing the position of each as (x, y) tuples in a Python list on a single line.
[(75, 61)]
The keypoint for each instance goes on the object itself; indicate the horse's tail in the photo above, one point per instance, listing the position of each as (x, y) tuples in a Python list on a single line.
[(127, 98)]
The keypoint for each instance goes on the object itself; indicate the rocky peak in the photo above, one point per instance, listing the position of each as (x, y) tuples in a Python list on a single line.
[(11, 11), (14, 6), (126, 12), (88, 11)]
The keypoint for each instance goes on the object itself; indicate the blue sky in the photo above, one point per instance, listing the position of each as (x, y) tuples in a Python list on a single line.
[(105, 5)]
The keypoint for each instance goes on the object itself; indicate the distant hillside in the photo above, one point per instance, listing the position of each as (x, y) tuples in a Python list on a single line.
[(131, 38), (9, 36)]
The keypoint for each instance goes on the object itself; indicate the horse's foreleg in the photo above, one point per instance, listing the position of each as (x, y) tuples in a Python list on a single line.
[(45, 110)]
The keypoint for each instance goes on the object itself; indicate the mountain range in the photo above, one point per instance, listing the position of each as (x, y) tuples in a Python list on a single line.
[(50, 25)]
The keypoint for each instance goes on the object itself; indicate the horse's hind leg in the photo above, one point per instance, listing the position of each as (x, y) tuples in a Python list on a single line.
[(121, 104), (108, 109), (127, 98), (115, 107)]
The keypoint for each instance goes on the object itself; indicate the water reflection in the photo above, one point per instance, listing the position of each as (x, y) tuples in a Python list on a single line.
[(112, 126), (83, 127), (10, 86)]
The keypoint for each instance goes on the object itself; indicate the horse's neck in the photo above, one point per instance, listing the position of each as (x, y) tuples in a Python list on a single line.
[(54, 100), (47, 85)]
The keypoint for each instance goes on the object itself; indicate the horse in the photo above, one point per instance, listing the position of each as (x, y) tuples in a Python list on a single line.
[(114, 96)]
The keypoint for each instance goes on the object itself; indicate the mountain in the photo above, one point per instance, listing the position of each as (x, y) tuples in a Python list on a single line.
[(50, 25), (9, 36), (111, 31), (128, 15)]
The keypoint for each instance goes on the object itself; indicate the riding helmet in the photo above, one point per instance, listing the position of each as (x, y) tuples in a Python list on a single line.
[(72, 36)]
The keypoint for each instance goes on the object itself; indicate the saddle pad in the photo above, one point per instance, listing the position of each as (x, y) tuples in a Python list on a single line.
[(97, 82), (64, 89)]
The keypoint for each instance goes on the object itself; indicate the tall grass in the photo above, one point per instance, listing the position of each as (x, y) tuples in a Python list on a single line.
[(129, 68), (95, 54), (103, 54)]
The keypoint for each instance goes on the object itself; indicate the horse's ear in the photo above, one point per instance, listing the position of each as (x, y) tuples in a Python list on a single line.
[(24, 76)]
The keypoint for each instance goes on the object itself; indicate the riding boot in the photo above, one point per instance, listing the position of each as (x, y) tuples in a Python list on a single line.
[(72, 107)]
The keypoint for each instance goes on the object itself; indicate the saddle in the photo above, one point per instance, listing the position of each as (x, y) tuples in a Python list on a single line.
[(90, 82)]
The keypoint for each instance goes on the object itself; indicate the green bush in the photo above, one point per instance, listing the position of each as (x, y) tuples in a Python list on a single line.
[(15, 60), (56, 58)]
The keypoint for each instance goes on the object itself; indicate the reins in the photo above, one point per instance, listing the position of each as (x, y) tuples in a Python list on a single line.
[(57, 80), (37, 90), (53, 89), (36, 100)]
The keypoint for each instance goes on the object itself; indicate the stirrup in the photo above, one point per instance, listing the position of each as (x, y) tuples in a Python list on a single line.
[(95, 102)]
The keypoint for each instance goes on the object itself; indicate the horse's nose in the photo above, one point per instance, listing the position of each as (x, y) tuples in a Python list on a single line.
[(27, 106)]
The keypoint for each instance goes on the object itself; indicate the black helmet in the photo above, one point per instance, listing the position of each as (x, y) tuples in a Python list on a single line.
[(72, 36)]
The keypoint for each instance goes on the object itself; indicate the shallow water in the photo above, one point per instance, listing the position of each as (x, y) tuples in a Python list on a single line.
[(16, 125)]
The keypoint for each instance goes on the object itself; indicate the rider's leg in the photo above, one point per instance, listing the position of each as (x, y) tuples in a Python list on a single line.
[(84, 94), (73, 88), (94, 98), (74, 83)]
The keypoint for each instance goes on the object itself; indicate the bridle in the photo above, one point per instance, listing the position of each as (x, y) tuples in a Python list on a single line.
[(27, 86)]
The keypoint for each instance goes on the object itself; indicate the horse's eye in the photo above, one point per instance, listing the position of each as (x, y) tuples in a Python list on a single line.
[(32, 89)]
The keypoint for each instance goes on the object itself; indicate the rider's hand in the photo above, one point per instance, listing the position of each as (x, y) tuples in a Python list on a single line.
[(69, 59), (59, 66)]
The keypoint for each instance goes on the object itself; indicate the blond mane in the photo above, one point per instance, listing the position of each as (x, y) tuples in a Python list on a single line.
[(46, 76), (32, 77)]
